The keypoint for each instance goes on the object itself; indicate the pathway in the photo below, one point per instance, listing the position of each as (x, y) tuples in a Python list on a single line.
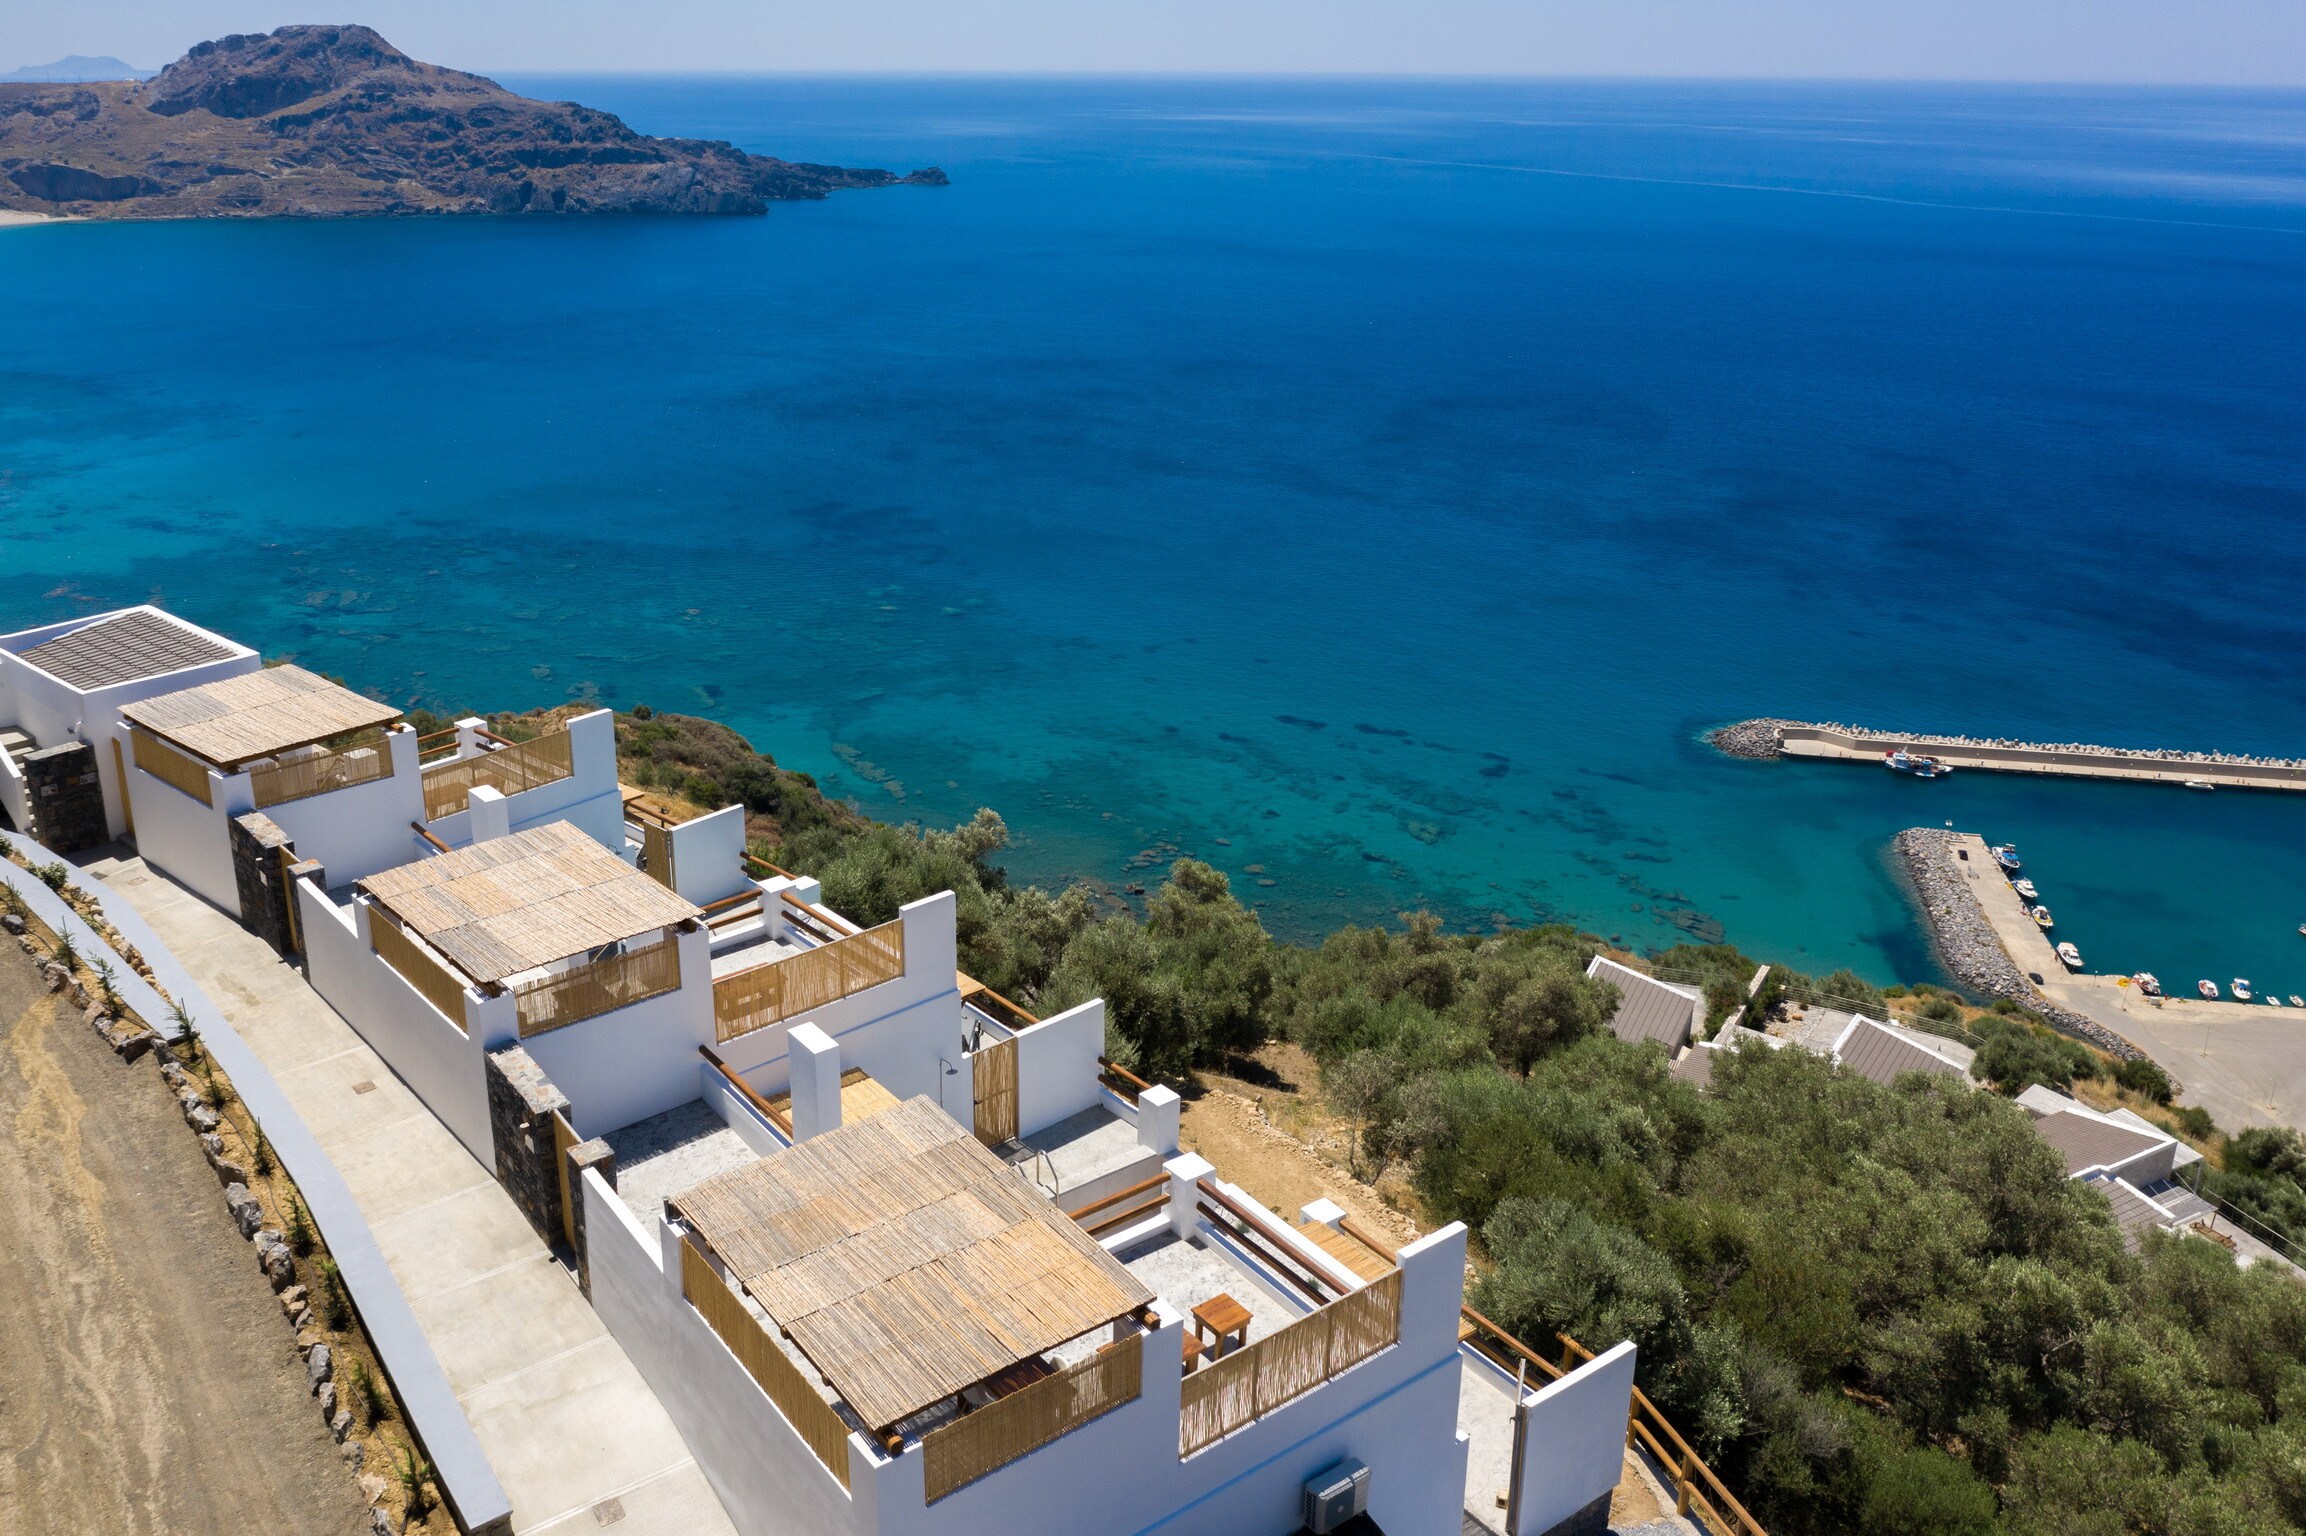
[(575, 1435)]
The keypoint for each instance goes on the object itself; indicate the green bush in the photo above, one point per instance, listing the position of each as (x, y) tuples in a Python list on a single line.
[(2143, 1076)]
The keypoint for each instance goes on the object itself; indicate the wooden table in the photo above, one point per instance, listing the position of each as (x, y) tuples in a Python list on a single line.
[(1222, 1317)]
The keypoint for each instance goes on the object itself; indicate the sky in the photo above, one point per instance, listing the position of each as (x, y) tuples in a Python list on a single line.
[(2239, 42)]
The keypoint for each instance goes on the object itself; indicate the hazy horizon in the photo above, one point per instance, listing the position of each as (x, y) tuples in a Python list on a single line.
[(2248, 43)]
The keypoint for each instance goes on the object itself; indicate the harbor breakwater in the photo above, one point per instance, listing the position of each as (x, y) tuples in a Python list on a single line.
[(1967, 945), (1767, 738)]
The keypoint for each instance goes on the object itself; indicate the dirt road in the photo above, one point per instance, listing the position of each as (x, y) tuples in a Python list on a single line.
[(148, 1383)]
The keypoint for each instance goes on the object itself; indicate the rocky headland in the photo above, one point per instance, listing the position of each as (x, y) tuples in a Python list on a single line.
[(318, 121)]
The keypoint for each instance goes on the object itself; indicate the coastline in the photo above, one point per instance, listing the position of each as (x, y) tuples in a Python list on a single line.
[(11, 216), (1967, 946)]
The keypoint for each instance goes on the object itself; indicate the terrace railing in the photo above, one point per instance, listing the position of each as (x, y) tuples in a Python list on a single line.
[(812, 1418), (170, 766), (746, 1000), (956, 1454), (597, 987), (417, 967), (1237, 1389), (300, 778), (511, 768)]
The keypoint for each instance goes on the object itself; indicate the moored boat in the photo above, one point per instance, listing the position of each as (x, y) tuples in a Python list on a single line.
[(2071, 956), (2026, 889), (2200, 784), (1913, 763), (2242, 989), (2042, 916), (2148, 983), (2271, 1001), (2207, 987), (2006, 855), (2296, 1001)]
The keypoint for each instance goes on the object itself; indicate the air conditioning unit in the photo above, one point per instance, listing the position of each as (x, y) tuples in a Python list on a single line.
[(1335, 1495)]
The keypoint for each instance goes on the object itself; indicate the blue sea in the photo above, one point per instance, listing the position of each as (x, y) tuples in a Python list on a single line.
[(1373, 488)]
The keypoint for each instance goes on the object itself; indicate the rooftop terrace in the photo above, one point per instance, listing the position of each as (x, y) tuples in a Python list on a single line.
[(257, 714)]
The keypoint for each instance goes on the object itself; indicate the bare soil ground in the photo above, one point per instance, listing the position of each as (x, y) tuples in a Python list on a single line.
[(151, 1384)]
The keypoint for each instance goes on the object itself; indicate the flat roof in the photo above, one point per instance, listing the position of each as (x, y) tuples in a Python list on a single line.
[(257, 714), (127, 647), (1877, 1052), (905, 1260), (514, 903), (2086, 1141)]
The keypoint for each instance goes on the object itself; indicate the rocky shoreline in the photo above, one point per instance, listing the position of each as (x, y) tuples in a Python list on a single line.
[(1967, 946)]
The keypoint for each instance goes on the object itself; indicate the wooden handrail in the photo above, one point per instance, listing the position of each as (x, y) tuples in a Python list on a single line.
[(1552, 1371), (824, 918), (1123, 1073), (1123, 1218), (418, 828), (774, 869), (752, 1094), (1095, 1206), (1272, 1260), (710, 907), (1368, 1239), (1284, 1240)]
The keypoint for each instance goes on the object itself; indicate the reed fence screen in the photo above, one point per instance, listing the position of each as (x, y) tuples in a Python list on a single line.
[(300, 778), (812, 1418), (508, 771), (170, 766), (597, 987), (955, 1455), (1244, 1386), (416, 967), (744, 1001)]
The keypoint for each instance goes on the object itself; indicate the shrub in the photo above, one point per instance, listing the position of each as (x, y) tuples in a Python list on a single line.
[(2142, 1076), (54, 875), (335, 1302), (299, 1234), (374, 1407), (188, 1045), (2195, 1121), (415, 1474), (260, 1155), (67, 954)]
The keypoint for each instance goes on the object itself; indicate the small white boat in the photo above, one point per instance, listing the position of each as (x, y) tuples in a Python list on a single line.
[(1902, 761), (2200, 784), (2148, 984), (2006, 855), (2206, 987), (2042, 916), (2271, 1001), (2026, 889), (2071, 956), (2242, 989), (2296, 1001)]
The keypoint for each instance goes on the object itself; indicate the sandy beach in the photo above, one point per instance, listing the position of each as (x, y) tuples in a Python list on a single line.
[(10, 216)]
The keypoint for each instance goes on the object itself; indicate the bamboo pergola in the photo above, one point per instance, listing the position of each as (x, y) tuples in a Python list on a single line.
[(257, 714), (906, 1261), (514, 903)]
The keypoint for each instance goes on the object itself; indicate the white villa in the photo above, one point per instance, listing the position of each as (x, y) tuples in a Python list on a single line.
[(896, 1255)]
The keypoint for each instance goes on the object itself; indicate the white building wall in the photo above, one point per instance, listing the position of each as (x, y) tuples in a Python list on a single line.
[(355, 832), (709, 856), (588, 799), (639, 1060), (434, 1057), (768, 1479), (1057, 1066), (184, 839), (897, 1031), (1572, 1441)]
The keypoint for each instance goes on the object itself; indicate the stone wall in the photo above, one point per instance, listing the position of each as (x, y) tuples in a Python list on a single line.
[(265, 899), (521, 1104), (67, 797)]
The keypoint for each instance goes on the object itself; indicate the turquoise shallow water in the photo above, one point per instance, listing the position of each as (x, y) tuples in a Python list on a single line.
[(1391, 481)]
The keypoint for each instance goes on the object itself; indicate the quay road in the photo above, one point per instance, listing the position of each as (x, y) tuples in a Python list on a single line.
[(2243, 1062), (1844, 744)]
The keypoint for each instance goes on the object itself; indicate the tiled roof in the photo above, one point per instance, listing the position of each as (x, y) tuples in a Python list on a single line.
[(124, 648)]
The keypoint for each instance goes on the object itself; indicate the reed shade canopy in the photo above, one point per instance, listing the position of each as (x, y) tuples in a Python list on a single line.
[(257, 714), (905, 1260), (514, 903)]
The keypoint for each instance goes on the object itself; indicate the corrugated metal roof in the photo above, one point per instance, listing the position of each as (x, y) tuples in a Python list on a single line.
[(1874, 1052), (257, 714), (513, 903), (125, 648), (1648, 1009), (2087, 1143)]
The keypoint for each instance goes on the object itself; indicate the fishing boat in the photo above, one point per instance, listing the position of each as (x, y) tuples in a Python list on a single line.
[(2200, 784), (2006, 855), (2042, 916), (2242, 989), (2071, 956), (1902, 761), (2207, 988), (2026, 889), (2148, 984)]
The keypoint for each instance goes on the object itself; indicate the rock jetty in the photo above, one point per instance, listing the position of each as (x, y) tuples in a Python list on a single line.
[(329, 121), (1765, 738), (1756, 739), (1967, 946)]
